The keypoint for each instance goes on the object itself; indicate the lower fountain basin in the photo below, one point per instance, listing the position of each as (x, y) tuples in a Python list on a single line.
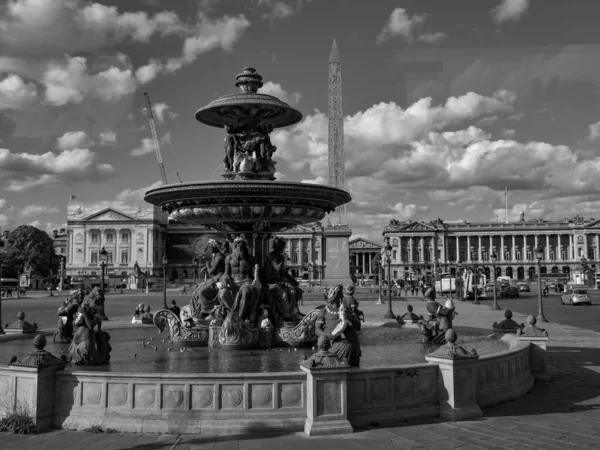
[(381, 346)]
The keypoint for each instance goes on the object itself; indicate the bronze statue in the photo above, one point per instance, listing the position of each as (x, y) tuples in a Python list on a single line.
[(89, 346), (66, 313), (231, 143), (283, 288), (96, 300), (206, 296), (242, 294), (440, 320), (337, 323)]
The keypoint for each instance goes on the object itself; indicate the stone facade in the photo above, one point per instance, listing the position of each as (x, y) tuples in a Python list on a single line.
[(365, 258), (419, 246)]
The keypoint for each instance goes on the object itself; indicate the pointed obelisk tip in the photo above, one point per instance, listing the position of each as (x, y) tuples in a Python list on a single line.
[(334, 56)]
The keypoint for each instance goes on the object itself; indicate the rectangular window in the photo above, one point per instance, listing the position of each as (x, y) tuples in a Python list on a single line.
[(563, 255), (109, 237), (94, 259), (124, 257), (507, 256), (518, 255), (462, 255), (579, 252), (428, 256), (124, 237), (395, 274), (109, 258), (94, 238), (395, 255), (591, 253), (529, 256), (451, 256), (552, 255), (484, 255)]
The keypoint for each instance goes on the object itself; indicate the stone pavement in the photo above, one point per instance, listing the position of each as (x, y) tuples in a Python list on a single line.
[(561, 414)]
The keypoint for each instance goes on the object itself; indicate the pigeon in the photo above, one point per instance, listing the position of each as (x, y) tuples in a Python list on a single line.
[(155, 349), (13, 359), (169, 349), (135, 355)]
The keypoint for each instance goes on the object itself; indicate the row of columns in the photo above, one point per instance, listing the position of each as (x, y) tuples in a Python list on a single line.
[(365, 260), (538, 239), (301, 248)]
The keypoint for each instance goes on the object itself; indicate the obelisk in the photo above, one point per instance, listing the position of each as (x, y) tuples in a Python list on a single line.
[(336, 155), (337, 236)]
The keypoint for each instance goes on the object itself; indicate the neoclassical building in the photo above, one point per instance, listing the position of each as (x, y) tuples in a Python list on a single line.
[(142, 234), (365, 257), (421, 246)]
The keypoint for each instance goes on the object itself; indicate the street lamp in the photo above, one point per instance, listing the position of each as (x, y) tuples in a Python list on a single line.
[(62, 273), (164, 264), (583, 269), (380, 300), (459, 271), (1, 262), (494, 258), (195, 262), (539, 254), (388, 257), (475, 277), (103, 256)]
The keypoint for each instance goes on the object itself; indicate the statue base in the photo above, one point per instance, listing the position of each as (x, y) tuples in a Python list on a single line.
[(219, 338), (301, 334), (263, 175), (179, 333)]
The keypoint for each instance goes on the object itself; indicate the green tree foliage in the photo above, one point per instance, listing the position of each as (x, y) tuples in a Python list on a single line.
[(28, 246), (7, 128)]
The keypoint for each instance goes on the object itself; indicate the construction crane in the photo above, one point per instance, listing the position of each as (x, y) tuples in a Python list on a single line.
[(161, 166)]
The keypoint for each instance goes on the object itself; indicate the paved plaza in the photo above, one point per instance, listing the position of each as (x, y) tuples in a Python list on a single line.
[(561, 414)]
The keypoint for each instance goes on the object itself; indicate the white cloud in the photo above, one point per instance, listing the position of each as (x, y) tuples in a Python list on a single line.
[(37, 210), (71, 82), (406, 212), (400, 23), (594, 131), (508, 133), (209, 35), (137, 195), (73, 139), (432, 37), (274, 89), (16, 93), (279, 10), (107, 137), (30, 26), (24, 171), (509, 10), (161, 112), (147, 145)]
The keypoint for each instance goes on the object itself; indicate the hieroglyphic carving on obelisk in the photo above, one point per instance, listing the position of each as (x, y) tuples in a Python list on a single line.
[(336, 154)]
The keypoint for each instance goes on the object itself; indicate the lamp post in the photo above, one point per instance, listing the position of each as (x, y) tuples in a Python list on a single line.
[(164, 264), (380, 300), (1, 262), (494, 258), (195, 262), (62, 273), (475, 283), (103, 255), (584, 269), (459, 273), (539, 254), (388, 254)]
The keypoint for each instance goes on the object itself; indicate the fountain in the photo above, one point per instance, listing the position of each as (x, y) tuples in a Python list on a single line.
[(248, 206)]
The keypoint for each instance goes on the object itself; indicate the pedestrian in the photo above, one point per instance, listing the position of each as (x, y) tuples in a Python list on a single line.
[(412, 289), (183, 290), (175, 308), (406, 289)]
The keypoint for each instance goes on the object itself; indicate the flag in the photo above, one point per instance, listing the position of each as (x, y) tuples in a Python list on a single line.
[(72, 197)]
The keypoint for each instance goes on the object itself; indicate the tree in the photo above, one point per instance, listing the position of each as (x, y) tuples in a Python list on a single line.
[(7, 128), (28, 246)]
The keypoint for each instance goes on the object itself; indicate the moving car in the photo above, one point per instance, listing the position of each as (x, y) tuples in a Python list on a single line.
[(575, 297), (509, 291), (523, 287)]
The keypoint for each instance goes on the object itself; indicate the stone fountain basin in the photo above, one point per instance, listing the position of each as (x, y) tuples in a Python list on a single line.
[(244, 402), (247, 205)]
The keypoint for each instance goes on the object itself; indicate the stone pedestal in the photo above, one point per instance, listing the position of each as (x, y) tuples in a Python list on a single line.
[(337, 246), (326, 402), (457, 380), (537, 353)]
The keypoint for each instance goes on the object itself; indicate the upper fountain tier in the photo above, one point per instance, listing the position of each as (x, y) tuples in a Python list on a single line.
[(248, 109)]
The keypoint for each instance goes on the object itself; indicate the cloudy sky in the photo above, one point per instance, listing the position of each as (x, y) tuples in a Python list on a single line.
[(446, 103)]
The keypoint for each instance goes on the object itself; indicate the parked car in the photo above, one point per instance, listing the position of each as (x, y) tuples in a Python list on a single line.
[(524, 287), (575, 297), (489, 288), (509, 291)]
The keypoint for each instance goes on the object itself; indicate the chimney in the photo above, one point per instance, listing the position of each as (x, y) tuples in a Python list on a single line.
[(6, 233), (55, 233)]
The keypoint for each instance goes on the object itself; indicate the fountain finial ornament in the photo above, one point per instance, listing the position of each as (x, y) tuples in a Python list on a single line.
[(248, 80)]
